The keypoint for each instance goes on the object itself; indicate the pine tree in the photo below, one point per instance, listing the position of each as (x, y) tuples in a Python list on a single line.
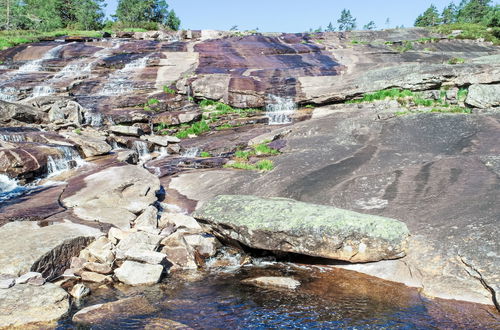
[(43, 15), (492, 19), (173, 22), (449, 14), (474, 11), (429, 18), (330, 27), (346, 21), (134, 12), (370, 26), (89, 15)]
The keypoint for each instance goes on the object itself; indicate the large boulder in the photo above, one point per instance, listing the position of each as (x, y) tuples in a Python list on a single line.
[(90, 144), (32, 306), (279, 224), (484, 96), (20, 114), (114, 195), (136, 273), (47, 250)]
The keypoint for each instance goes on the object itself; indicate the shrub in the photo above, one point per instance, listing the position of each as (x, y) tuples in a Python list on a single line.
[(205, 154), (456, 60), (196, 128), (168, 90)]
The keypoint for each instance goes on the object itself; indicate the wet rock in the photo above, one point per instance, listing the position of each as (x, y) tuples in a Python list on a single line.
[(149, 257), (47, 250), (98, 268), (18, 113), (163, 140), (128, 156), (114, 195), (269, 137), (181, 256), (123, 308), (273, 282), (204, 244), (79, 291), (126, 130), (279, 224), (33, 278), (90, 145), (483, 96), (162, 323), (95, 277), (176, 118), (24, 305), (135, 273)]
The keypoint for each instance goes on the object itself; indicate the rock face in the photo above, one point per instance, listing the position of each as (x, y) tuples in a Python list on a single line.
[(278, 224), (484, 96), (27, 305), (47, 250), (114, 195)]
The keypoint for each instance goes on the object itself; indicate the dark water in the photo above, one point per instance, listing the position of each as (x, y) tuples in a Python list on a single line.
[(333, 299)]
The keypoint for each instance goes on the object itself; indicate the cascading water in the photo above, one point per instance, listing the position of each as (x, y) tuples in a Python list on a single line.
[(119, 82), (191, 152), (93, 118), (8, 94), (280, 109), (142, 149), (68, 159), (9, 188), (36, 65), (42, 91)]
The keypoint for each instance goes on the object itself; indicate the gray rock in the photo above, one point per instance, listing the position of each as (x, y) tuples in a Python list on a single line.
[(179, 220), (19, 113), (30, 277), (484, 96), (47, 250), (128, 156), (149, 257), (137, 240), (126, 130), (148, 220), (79, 291), (95, 277), (135, 273), (161, 140), (205, 245), (101, 250), (7, 282), (279, 224), (90, 144), (24, 305), (273, 282), (98, 268)]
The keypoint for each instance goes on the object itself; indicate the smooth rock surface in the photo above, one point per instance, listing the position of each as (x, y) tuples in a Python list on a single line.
[(273, 281), (484, 96), (286, 225), (136, 273)]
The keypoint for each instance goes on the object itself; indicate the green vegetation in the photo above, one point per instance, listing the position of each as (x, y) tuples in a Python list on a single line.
[(153, 101), (452, 110), (196, 128), (406, 46), (262, 165), (382, 95), (264, 150), (456, 60), (168, 90), (462, 94), (78, 131), (215, 110), (13, 38), (146, 13), (471, 31), (346, 21), (205, 154), (309, 106)]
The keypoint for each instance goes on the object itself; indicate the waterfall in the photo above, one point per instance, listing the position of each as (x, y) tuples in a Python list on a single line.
[(190, 152), (8, 94), (42, 91), (280, 109), (12, 138), (119, 83), (142, 149), (69, 159), (36, 65), (9, 188)]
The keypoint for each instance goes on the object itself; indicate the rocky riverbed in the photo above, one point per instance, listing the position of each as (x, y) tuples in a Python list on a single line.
[(148, 161)]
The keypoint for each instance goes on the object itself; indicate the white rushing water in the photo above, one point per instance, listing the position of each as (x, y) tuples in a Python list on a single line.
[(68, 159), (119, 82), (9, 188), (12, 138), (191, 152), (42, 90), (142, 149), (8, 94), (36, 65), (280, 109)]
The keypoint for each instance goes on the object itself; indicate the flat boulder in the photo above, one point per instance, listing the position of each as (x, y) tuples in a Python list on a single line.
[(47, 250), (28, 305), (483, 96), (135, 273), (280, 224)]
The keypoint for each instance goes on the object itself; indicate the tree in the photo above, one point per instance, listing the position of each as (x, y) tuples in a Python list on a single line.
[(449, 14), (492, 19), (330, 27), (370, 26), (43, 15), (173, 22), (346, 21), (319, 29), (429, 18), (89, 15), (474, 11), (134, 12), (387, 22)]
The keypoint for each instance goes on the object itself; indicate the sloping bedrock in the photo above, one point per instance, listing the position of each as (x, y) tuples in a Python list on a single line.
[(438, 173)]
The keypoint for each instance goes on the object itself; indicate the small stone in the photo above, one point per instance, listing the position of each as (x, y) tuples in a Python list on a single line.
[(205, 245), (135, 273), (98, 268), (150, 257), (79, 291), (139, 239), (273, 281), (23, 279), (173, 148), (95, 277), (6, 283), (179, 220), (77, 262)]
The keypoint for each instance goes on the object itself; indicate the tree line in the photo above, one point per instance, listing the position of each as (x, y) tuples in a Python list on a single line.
[(467, 11), (48, 15)]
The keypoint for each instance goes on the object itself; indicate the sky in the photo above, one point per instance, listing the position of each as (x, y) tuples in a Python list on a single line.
[(292, 15)]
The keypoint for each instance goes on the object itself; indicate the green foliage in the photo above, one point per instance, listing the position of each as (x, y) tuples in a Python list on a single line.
[(17, 37), (168, 90), (449, 14), (205, 154), (370, 26), (242, 154), (78, 131), (153, 101), (471, 31), (146, 14), (429, 18), (330, 27), (456, 60), (462, 94), (173, 22), (452, 110), (309, 106), (383, 94), (216, 110), (263, 165), (264, 150), (474, 11), (346, 21), (406, 46), (196, 128)]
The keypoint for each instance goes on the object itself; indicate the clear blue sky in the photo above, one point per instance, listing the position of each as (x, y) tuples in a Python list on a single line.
[(292, 15)]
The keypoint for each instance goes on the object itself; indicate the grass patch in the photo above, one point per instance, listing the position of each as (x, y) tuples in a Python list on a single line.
[(470, 31), (196, 128), (264, 150), (456, 60), (205, 154), (78, 131), (216, 110), (455, 109), (13, 38), (393, 93), (263, 165), (168, 90), (462, 94), (406, 46), (152, 101)]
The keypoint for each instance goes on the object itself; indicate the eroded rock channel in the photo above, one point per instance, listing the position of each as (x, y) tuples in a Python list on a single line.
[(144, 179)]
